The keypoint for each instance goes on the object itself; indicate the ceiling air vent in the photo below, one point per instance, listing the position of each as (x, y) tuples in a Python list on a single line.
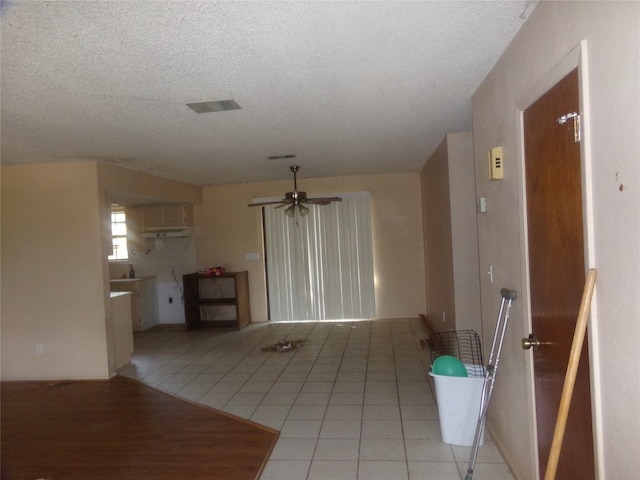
[(217, 106)]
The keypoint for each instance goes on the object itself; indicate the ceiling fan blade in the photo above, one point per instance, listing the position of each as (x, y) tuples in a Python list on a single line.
[(297, 198), (261, 204), (322, 201)]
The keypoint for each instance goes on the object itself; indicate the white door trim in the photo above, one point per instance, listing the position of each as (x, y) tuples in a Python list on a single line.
[(576, 58)]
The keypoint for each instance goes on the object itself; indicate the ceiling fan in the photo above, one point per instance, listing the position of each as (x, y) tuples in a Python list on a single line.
[(297, 199)]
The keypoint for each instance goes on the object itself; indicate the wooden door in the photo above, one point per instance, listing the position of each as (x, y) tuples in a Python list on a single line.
[(557, 273)]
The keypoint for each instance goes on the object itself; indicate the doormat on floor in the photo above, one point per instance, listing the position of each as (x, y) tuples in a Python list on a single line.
[(283, 346)]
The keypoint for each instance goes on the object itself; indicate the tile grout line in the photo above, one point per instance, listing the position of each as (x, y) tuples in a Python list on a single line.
[(404, 439), (396, 341), (262, 340)]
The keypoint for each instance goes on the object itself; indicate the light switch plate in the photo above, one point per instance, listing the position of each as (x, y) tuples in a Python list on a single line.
[(481, 205), (496, 167)]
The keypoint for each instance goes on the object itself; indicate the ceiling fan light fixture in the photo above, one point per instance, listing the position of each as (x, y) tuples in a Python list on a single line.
[(304, 211), (290, 211)]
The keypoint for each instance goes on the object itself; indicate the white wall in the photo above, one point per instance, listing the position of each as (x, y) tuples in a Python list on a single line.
[(610, 81), (227, 229), (167, 257)]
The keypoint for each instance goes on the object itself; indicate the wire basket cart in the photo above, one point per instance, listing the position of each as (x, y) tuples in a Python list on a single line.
[(463, 344)]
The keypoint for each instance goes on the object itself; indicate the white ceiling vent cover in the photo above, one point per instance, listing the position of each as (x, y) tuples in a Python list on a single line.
[(216, 106)]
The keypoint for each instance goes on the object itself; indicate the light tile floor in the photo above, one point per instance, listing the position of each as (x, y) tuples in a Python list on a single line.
[(353, 402)]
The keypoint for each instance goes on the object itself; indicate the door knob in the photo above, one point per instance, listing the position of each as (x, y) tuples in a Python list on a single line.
[(530, 342)]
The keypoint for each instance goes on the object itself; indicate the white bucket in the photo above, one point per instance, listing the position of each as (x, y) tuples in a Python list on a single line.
[(458, 400)]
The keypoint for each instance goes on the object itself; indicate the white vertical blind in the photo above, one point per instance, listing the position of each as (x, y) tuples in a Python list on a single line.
[(320, 267)]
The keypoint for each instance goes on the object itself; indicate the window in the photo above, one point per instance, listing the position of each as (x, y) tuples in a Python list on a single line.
[(320, 267), (119, 250)]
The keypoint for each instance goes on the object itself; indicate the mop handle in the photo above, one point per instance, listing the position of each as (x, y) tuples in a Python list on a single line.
[(570, 378)]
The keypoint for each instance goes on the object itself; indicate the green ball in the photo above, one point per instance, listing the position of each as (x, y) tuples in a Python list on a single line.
[(449, 366)]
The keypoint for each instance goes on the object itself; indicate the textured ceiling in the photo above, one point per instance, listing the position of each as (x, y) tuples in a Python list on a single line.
[(348, 87)]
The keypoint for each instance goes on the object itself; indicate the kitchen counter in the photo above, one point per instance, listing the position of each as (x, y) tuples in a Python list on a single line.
[(122, 329), (144, 303)]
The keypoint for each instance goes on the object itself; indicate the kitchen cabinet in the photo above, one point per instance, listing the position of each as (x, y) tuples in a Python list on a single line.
[(134, 229), (144, 304), (155, 217), (217, 300)]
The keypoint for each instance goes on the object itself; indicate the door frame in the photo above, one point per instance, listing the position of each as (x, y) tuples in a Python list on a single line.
[(576, 58)]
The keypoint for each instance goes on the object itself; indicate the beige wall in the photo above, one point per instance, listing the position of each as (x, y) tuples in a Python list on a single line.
[(52, 273), (543, 50), (464, 232), (436, 207), (226, 230), (55, 277), (128, 185), (450, 232)]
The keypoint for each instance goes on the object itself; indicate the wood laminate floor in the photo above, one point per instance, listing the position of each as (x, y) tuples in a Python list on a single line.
[(122, 429)]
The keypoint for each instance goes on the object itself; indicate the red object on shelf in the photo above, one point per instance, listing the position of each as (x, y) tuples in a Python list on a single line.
[(217, 271)]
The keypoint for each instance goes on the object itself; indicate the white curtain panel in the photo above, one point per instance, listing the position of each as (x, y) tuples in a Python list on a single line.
[(320, 267)]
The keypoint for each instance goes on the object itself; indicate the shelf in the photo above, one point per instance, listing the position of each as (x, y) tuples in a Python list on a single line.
[(220, 301), (216, 301)]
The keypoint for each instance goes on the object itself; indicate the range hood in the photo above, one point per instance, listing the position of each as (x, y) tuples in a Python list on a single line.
[(167, 232)]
